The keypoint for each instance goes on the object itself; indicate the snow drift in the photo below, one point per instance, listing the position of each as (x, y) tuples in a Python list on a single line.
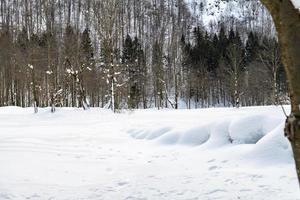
[(216, 153)]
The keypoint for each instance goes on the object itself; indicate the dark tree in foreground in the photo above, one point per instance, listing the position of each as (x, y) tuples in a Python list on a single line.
[(287, 21)]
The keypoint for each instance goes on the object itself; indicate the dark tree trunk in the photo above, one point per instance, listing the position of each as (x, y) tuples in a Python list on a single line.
[(287, 21)]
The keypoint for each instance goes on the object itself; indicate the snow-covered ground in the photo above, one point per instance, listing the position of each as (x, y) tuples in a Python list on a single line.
[(207, 154)]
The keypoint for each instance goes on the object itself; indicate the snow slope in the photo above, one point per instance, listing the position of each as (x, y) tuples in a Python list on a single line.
[(221, 153)]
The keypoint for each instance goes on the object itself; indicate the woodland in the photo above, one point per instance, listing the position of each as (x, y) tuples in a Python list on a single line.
[(139, 54)]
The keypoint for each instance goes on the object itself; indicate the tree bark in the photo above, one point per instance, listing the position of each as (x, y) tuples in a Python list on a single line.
[(287, 21)]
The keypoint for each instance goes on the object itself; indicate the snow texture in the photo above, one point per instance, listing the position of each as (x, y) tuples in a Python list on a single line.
[(205, 154)]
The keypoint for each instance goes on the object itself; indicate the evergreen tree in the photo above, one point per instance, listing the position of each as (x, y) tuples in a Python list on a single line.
[(129, 60), (87, 70), (252, 47)]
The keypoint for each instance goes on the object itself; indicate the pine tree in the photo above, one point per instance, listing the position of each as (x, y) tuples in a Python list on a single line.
[(86, 73), (133, 59), (252, 48), (128, 60)]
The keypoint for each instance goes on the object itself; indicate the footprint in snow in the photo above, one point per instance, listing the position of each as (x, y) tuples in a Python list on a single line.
[(122, 183), (210, 161), (186, 182), (180, 193), (245, 190), (212, 168), (262, 186), (36, 196), (228, 180), (215, 191)]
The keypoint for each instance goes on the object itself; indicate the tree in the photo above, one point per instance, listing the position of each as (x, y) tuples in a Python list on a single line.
[(133, 61), (129, 59), (70, 53), (270, 57), (66, 36), (252, 48), (157, 62), (235, 59), (186, 63), (287, 22), (87, 67)]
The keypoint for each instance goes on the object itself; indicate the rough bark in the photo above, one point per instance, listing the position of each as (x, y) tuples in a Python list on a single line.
[(287, 21)]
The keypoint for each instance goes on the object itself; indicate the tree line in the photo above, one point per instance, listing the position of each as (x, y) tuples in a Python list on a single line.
[(221, 69), (134, 54)]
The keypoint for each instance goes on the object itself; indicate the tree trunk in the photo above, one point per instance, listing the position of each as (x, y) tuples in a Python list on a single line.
[(287, 21)]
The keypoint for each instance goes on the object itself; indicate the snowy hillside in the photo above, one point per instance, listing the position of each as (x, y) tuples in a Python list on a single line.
[(206, 154), (210, 12)]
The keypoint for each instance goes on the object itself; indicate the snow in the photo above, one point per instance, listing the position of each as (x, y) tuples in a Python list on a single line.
[(296, 3), (30, 66), (214, 9), (216, 153)]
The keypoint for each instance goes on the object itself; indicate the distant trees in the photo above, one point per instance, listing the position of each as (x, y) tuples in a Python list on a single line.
[(158, 73), (134, 61), (270, 57), (235, 58), (229, 71), (136, 54)]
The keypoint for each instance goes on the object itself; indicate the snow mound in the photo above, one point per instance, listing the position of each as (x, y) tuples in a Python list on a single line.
[(219, 135), (272, 149), (165, 135), (195, 136), (250, 129), (149, 134), (169, 138)]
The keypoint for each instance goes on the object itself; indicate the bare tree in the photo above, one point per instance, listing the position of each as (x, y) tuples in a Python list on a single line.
[(270, 57)]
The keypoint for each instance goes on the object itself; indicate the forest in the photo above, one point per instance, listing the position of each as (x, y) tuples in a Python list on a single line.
[(150, 99), (130, 54)]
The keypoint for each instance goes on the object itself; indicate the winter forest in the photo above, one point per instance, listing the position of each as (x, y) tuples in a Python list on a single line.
[(129, 54), (149, 99)]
